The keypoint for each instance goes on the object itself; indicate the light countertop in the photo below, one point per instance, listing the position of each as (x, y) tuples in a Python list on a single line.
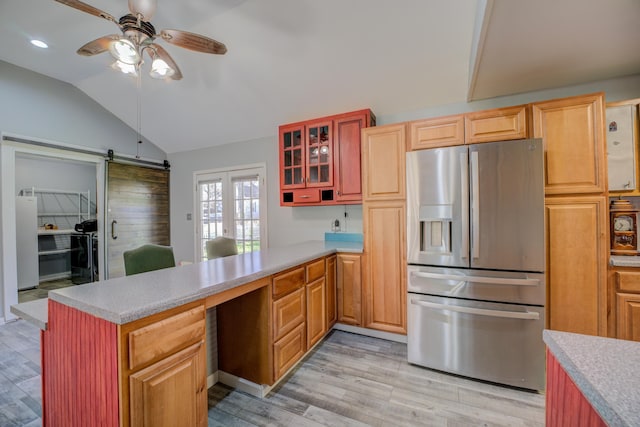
[(125, 299), (624, 261), (606, 370)]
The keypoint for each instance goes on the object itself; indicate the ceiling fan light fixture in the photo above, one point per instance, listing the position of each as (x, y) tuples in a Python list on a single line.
[(125, 68), (125, 51), (160, 69)]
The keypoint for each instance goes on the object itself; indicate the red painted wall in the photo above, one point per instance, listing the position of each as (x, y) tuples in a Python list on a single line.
[(79, 369)]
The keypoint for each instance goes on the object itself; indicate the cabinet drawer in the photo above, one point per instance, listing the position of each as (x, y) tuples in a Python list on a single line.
[(288, 312), (628, 281), (500, 124), (309, 195), (163, 338), (315, 270), (287, 282), (288, 350)]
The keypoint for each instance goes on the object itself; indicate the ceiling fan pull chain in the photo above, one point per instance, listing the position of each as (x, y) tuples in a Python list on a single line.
[(139, 110)]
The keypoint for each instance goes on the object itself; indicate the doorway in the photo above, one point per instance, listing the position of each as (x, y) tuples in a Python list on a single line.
[(11, 153)]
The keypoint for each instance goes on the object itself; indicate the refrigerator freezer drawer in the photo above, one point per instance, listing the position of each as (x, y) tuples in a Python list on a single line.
[(495, 342), (498, 286)]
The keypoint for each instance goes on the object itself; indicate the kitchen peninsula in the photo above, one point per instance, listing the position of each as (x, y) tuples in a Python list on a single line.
[(592, 381), (131, 351)]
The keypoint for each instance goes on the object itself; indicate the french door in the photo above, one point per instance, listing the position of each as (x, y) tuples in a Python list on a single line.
[(231, 203)]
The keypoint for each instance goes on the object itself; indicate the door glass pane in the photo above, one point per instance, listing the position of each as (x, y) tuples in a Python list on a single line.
[(228, 204), (287, 139), (247, 213), (287, 158), (297, 138), (210, 205)]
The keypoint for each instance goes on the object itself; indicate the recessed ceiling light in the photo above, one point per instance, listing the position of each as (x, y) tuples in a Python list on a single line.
[(39, 43)]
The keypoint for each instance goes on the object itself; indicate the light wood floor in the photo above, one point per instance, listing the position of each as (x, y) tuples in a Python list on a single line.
[(352, 380), (349, 380)]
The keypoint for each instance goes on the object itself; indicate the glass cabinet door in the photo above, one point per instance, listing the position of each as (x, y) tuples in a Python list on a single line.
[(292, 161), (319, 154)]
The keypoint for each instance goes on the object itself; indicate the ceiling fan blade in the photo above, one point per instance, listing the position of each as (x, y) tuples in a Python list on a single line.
[(97, 46), (193, 41), (155, 49), (83, 7)]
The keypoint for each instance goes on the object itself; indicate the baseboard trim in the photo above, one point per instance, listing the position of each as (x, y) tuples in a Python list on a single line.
[(249, 387), (389, 336), (212, 379)]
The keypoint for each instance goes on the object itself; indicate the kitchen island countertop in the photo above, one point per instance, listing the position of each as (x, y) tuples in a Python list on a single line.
[(606, 370), (125, 299)]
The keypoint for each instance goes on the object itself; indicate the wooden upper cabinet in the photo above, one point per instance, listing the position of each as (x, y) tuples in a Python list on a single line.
[(500, 124), (320, 159), (383, 162), (436, 132), (348, 176), (573, 134)]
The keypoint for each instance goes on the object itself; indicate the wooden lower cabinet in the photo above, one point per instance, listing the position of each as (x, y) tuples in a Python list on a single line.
[(330, 278), (288, 350), (316, 312), (163, 393), (349, 289), (288, 312), (163, 369), (264, 333), (625, 287), (577, 256), (628, 316), (384, 287)]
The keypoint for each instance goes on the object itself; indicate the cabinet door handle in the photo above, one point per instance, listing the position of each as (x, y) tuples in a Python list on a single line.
[(114, 230), (305, 197)]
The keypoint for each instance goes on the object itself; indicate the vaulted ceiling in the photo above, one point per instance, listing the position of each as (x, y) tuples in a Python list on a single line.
[(291, 60)]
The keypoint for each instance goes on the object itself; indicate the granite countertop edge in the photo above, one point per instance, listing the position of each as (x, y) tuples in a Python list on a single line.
[(587, 370), (624, 261), (300, 254)]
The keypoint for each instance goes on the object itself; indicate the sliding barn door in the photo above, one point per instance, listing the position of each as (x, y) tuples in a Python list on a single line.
[(137, 211)]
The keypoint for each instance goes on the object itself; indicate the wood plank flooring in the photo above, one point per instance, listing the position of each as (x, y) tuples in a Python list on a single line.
[(348, 380), (353, 380)]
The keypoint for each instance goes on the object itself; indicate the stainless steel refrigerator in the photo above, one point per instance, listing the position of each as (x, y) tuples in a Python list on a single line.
[(476, 283)]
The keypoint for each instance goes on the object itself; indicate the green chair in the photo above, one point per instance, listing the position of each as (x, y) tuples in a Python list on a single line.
[(221, 247), (148, 257)]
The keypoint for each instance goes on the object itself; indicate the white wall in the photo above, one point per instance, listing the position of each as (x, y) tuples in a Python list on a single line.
[(285, 225), (56, 174), (288, 225), (34, 106)]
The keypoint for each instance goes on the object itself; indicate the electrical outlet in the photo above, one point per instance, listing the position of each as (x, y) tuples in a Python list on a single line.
[(335, 225), (188, 217)]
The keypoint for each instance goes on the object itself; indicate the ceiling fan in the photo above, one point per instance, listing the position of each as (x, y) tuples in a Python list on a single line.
[(138, 36)]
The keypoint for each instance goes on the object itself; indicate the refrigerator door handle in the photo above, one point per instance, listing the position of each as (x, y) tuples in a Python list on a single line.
[(475, 205), (477, 279), (526, 315), (464, 205)]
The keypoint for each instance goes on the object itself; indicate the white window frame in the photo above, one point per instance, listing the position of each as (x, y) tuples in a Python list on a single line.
[(227, 175)]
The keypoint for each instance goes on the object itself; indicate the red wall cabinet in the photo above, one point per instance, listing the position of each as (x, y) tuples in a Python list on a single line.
[(320, 160)]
